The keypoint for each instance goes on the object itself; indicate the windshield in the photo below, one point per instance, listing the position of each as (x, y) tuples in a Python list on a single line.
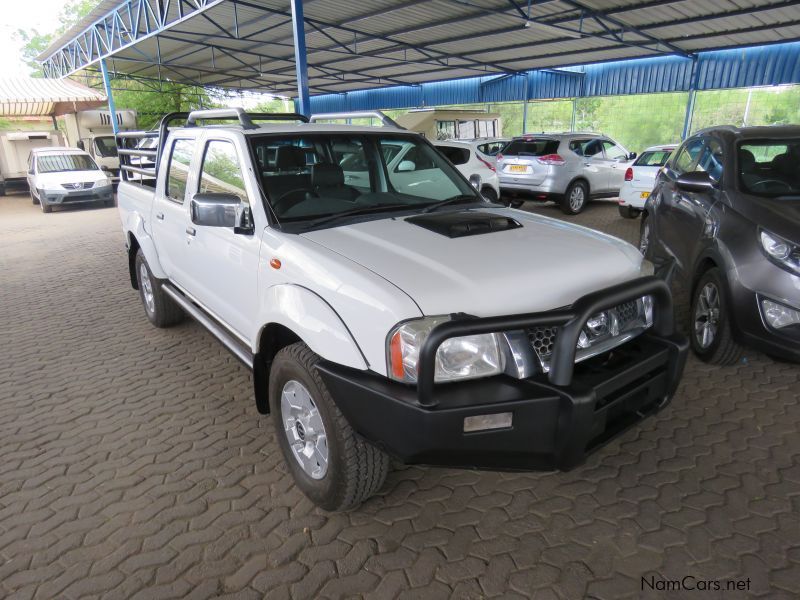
[(308, 178), (531, 147), (54, 163), (770, 167), (653, 158), (106, 146)]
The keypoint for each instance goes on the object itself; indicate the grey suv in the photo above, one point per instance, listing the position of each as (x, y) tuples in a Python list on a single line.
[(724, 220), (568, 168)]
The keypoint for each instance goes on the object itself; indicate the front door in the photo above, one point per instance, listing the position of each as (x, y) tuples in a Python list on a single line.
[(617, 165), (595, 166)]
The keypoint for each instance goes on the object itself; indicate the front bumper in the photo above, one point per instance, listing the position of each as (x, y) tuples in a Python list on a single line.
[(100, 194), (557, 419)]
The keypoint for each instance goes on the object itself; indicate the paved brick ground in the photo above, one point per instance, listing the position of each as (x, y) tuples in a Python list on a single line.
[(134, 464)]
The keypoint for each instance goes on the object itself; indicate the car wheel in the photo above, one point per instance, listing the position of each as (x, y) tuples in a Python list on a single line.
[(645, 233), (2, 190), (109, 202), (711, 335), (575, 198), (34, 199), (46, 208), (330, 463), (489, 193), (628, 212), (516, 203), (160, 309)]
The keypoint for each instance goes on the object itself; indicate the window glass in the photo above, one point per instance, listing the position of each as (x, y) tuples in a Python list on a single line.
[(445, 130), (221, 172), (711, 160), (653, 158), (178, 172), (486, 128), (578, 146), (769, 168), (105, 146), (351, 156), (53, 163), (531, 147), (457, 156), (466, 130), (613, 152), (687, 157), (593, 149), (491, 148)]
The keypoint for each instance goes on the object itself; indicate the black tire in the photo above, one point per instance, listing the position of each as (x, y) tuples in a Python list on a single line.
[(645, 235), (2, 190), (719, 347), (46, 208), (355, 468), (489, 193), (628, 212), (34, 199), (162, 311), (575, 198), (516, 203), (109, 202)]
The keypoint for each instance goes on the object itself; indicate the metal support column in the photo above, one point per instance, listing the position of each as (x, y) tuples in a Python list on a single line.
[(525, 103), (300, 58), (687, 119), (574, 114), (111, 107)]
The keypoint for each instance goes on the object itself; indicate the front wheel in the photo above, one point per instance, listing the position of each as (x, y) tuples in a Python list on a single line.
[(628, 212), (160, 309), (34, 199), (575, 198), (330, 463), (645, 233), (711, 334)]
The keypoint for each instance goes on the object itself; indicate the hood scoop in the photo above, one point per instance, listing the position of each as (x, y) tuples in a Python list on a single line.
[(462, 224)]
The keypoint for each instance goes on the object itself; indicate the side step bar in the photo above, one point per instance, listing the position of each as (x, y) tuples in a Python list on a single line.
[(236, 347)]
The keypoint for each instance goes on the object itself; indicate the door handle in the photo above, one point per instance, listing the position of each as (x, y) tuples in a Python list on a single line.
[(160, 216), (191, 230)]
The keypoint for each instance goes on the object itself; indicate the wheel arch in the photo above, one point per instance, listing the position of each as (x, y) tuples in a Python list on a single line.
[(585, 181), (133, 248)]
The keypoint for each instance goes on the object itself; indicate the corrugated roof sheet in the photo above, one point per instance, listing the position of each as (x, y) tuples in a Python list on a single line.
[(29, 96)]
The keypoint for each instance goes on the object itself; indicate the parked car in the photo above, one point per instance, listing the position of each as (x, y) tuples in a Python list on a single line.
[(726, 213), (491, 146), (476, 166), (59, 176), (403, 317), (640, 178), (568, 168)]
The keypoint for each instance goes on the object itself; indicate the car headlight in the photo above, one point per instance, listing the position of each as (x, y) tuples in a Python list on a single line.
[(780, 251), (458, 358)]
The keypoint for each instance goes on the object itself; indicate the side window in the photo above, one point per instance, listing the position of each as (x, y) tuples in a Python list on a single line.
[(445, 130), (578, 146), (711, 160), (457, 156), (614, 152), (687, 157), (593, 148), (420, 157), (221, 172), (178, 171)]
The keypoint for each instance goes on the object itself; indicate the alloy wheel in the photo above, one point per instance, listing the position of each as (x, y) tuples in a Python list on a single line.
[(147, 289), (706, 315), (576, 198), (304, 429)]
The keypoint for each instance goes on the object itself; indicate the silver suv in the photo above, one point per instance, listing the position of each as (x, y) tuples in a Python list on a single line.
[(568, 168)]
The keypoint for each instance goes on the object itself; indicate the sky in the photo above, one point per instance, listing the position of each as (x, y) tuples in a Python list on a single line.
[(41, 15)]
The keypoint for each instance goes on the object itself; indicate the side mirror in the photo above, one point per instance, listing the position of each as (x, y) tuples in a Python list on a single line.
[(632, 155), (406, 165), (80, 145), (695, 181), (475, 181), (222, 210)]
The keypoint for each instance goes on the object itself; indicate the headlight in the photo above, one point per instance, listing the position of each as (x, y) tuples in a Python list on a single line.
[(467, 357), (779, 315), (780, 251)]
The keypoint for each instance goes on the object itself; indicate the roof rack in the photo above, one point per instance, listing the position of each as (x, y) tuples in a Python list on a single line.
[(385, 120), (245, 118)]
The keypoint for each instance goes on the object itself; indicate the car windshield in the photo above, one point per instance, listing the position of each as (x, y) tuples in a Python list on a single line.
[(309, 178), (653, 158), (106, 146), (54, 163), (769, 168), (531, 147)]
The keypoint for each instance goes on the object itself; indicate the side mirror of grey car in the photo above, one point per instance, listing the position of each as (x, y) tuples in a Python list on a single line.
[(475, 180), (221, 210), (696, 181)]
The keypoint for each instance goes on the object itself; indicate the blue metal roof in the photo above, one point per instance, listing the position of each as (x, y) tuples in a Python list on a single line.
[(742, 67)]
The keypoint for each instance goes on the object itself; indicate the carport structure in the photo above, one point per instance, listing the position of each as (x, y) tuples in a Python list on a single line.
[(297, 47)]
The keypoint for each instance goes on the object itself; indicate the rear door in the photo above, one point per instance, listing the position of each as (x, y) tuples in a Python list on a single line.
[(617, 158), (170, 211), (595, 165)]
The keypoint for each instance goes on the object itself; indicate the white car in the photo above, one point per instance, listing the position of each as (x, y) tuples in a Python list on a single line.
[(640, 178), (476, 166), (491, 146), (398, 314), (60, 176)]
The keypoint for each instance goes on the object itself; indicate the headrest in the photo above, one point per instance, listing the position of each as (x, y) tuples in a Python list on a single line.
[(288, 158), (326, 175), (747, 160)]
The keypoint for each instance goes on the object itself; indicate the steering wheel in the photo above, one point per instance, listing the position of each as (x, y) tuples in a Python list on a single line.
[(293, 198), (768, 182)]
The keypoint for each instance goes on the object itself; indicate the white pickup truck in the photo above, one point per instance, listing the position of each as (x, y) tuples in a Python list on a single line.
[(391, 311)]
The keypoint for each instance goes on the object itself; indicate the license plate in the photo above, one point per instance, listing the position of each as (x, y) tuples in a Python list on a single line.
[(644, 195), (519, 169)]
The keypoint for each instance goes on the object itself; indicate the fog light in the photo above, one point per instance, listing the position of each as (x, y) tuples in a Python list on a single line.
[(778, 315), (486, 422)]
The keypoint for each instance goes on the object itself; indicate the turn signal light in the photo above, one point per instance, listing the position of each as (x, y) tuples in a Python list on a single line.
[(488, 165), (551, 159), (629, 174), (275, 263)]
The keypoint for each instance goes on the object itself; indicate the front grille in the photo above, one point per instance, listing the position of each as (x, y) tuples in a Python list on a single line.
[(625, 321), (86, 185)]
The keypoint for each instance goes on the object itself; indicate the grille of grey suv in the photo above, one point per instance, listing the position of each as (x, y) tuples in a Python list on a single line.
[(543, 339)]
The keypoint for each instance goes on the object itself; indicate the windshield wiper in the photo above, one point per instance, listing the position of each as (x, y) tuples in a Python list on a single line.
[(362, 210), (453, 200)]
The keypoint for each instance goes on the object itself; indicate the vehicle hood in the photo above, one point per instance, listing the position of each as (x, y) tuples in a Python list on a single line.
[(781, 217), (543, 264), (55, 180)]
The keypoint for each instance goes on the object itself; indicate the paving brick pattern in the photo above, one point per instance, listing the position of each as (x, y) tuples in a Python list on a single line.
[(134, 465)]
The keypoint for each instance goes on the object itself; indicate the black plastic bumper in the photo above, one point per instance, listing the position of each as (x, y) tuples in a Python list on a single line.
[(553, 427)]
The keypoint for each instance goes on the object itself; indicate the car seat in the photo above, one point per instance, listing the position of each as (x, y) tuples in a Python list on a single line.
[(327, 180)]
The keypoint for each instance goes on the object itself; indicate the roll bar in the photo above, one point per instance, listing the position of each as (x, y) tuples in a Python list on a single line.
[(385, 120)]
